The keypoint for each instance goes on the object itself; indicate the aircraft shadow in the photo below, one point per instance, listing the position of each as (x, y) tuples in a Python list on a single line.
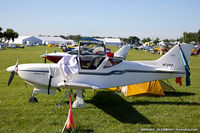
[(84, 131), (117, 107), (176, 94), (163, 103)]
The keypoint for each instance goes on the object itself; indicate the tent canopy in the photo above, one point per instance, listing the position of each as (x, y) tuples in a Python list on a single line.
[(153, 87), (89, 39)]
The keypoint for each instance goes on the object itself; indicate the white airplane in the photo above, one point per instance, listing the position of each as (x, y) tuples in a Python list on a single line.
[(73, 72)]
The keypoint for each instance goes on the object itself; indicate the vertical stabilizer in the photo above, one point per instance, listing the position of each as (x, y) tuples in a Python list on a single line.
[(172, 60), (122, 52)]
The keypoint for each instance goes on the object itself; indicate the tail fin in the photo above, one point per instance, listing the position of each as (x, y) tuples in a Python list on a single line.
[(172, 60), (122, 52)]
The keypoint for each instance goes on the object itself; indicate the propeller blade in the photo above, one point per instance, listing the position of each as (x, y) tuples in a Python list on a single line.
[(12, 74), (16, 65)]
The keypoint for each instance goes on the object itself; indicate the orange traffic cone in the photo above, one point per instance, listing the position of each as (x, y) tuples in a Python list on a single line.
[(69, 124)]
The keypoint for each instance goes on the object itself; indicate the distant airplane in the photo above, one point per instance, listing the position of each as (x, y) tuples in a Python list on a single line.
[(196, 50), (92, 69), (55, 57)]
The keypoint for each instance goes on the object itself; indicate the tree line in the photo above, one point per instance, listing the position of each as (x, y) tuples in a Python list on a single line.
[(191, 37), (7, 35), (129, 40), (188, 37)]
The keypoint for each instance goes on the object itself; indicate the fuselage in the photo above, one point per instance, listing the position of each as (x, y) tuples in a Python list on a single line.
[(100, 71), (121, 74)]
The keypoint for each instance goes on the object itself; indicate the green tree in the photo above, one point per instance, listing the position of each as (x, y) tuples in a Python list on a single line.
[(97, 37), (133, 40), (180, 39), (124, 39), (189, 37), (146, 40), (166, 40), (74, 37), (156, 41), (172, 40), (62, 36), (198, 36), (1, 34), (10, 34)]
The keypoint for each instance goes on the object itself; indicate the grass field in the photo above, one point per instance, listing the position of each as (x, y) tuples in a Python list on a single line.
[(106, 111)]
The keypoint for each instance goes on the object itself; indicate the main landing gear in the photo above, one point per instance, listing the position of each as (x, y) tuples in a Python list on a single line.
[(79, 102)]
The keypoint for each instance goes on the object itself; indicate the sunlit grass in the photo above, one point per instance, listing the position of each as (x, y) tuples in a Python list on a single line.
[(105, 112)]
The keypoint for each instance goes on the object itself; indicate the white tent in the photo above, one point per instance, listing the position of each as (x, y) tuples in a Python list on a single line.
[(54, 40), (112, 41), (19, 40), (32, 40), (40, 40), (26, 40)]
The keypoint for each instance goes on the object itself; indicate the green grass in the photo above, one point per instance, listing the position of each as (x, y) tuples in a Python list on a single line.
[(106, 111)]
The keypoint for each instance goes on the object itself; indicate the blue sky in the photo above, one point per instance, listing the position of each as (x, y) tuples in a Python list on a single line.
[(118, 18)]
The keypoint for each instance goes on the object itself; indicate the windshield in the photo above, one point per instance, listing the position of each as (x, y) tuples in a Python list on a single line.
[(91, 54), (91, 48)]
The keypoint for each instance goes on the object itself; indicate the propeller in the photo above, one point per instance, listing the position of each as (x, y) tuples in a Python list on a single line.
[(12, 74)]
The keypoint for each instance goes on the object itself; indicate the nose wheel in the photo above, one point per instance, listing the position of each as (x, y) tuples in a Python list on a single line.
[(33, 99)]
